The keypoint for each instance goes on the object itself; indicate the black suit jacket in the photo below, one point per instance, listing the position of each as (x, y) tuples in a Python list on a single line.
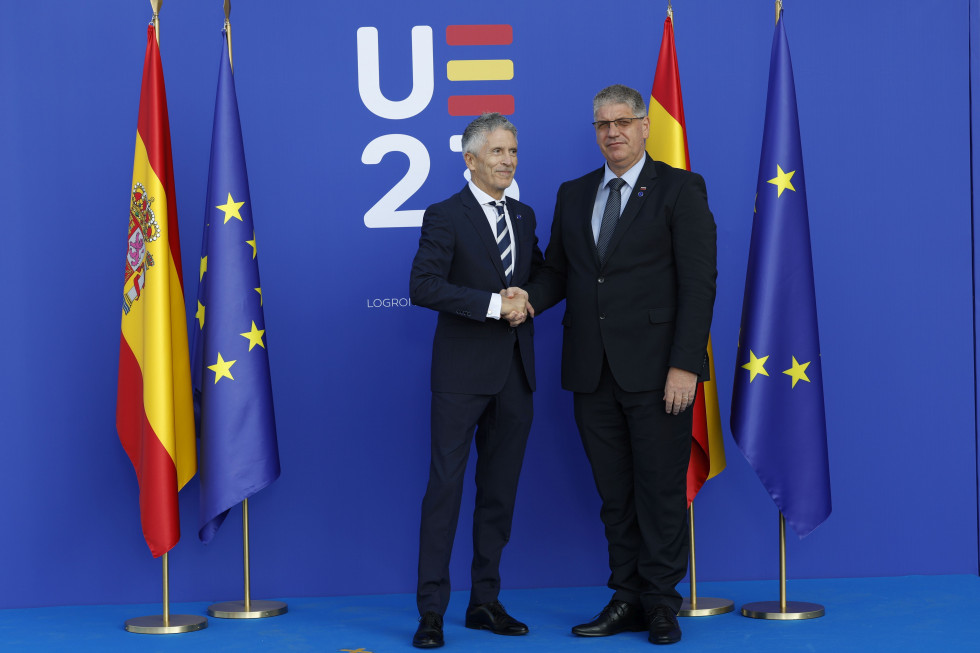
[(649, 305), (456, 268)]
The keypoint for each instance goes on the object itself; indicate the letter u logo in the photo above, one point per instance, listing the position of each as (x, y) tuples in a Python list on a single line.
[(369, 71)]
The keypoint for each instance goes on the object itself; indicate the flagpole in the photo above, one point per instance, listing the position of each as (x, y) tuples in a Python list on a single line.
[(164, 623), (704, 606), (246, 609), (245, 558), (782, 609), (165, 562), (807, 501), (675, 154), (231, 61), (155, 4)]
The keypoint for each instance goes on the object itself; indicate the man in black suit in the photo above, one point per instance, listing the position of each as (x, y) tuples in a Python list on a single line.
[(473, 244), (632, 252)]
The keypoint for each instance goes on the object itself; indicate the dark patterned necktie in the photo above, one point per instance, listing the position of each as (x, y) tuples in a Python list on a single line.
[(610, 216), (503, 242)]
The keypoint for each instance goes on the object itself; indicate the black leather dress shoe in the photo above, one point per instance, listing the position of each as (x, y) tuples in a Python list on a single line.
[(617, 617), (492, 616), (664, 628), (429, 633)]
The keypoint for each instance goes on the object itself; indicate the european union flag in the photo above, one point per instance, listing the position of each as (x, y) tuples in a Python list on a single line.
[(777, 403), (239, 453)]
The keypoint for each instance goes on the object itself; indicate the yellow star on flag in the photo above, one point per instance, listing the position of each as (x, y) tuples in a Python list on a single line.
[(231, 208), (254, 337), (222, 368), (756, 366), (200, 313), (781, 181), (252, 243), (204, 267), (259, 290), (798, 372)]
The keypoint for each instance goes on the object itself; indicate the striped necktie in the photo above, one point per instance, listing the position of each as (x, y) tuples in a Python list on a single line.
[(503, 242), (610, 216)]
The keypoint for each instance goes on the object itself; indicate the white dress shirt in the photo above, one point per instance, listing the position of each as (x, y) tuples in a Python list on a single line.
[(486, 203)]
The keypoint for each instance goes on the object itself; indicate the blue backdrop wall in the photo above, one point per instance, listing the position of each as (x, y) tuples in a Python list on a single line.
[(884, 97)]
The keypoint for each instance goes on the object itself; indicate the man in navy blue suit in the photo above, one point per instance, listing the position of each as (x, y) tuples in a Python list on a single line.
[(474, 244)]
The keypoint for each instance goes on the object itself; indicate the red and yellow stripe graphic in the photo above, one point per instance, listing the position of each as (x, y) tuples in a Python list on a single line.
[(154, 410), (668, 143), (479, 70), (474, 105), (479, 35)]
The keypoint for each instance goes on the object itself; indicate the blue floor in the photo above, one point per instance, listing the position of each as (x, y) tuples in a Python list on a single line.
[(913, 613)]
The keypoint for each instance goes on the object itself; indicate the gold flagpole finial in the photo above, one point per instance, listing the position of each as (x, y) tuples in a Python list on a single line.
[(779, 9), (227, 4), (155, 4), (670, 11)]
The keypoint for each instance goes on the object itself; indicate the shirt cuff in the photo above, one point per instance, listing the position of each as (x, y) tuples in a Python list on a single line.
[(493, 310)]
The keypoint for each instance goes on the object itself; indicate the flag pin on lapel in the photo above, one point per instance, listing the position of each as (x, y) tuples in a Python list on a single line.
[(642, 190)]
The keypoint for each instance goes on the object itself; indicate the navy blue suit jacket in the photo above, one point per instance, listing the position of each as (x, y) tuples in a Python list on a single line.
[(456, 268)]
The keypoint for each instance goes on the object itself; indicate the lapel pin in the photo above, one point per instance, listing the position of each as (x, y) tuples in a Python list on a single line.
[(642, 190)]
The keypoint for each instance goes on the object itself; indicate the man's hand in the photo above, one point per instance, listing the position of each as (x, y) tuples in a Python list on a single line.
[(679, 390), (513, 306), (513, 292)]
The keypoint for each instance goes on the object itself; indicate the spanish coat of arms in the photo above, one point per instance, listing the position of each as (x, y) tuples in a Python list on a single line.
[(143, 229)]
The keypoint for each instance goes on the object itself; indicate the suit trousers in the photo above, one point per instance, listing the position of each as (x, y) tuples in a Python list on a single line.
[(639, 455), (502, 423)]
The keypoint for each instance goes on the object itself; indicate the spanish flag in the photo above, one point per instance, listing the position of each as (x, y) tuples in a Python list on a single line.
[(154, 409), (668, 143)]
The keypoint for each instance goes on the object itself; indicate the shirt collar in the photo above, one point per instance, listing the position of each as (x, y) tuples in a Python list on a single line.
[(483, 198), (630, 176)]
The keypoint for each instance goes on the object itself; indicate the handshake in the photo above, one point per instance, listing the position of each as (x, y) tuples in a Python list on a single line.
[(514, 306)]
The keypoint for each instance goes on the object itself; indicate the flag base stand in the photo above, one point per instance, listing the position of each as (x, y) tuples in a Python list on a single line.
[(792, 610), (782, 609), (166, 623), (175, 623), (252, 610), (705, 606), (246, 609)]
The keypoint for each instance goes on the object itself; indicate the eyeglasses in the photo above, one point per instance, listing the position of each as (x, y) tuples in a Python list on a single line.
[(622, 123)]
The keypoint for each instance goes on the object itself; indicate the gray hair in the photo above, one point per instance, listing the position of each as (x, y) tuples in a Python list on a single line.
[(475, 134), (619, 94)]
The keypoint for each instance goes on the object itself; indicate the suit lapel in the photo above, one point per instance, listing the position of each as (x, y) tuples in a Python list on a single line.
[(589, 189), (522, 244), (642, 189)]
